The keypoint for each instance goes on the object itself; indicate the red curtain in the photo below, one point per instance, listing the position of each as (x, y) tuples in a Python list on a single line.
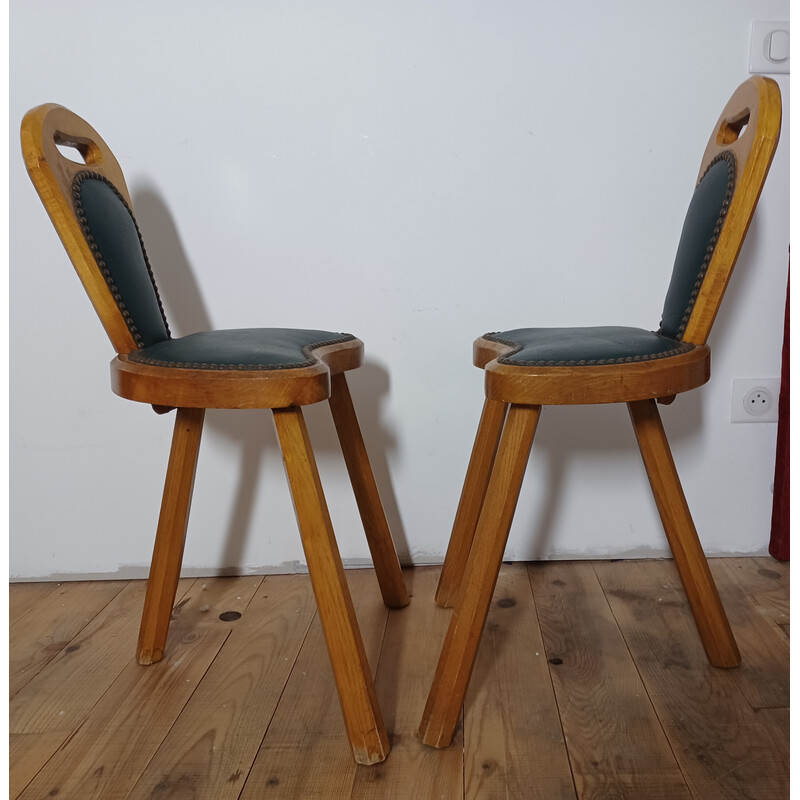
[(779, 536)]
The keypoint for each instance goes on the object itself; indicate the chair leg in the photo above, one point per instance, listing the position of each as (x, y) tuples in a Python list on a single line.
[(471, 502), (362, 715), (466, 625), (701, 591), (379, 538), (165, 568)]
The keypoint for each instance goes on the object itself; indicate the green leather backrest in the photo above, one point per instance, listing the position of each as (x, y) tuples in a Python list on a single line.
[(112, 234), (701, 229)]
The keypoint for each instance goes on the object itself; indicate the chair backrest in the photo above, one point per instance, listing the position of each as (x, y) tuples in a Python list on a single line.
[(732, 174), (90, 207)]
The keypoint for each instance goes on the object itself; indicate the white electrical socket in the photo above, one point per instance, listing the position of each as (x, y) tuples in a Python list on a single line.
[(755, 399)]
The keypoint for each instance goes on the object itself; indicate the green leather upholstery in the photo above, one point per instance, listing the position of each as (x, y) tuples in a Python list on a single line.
[(699, 237), (573, 347), (110, 230), (242, 349)]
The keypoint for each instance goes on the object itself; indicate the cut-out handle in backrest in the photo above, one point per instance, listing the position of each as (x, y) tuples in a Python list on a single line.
[(731, 129), (85, 194), (732, 173), (68, 145)]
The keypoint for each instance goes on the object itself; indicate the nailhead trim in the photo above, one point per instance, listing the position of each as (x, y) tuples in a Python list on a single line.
[(310, 360), (683, 347), (84, 223), (728, 156)]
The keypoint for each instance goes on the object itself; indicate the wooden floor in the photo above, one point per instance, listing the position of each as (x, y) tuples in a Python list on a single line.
[(591, 682)]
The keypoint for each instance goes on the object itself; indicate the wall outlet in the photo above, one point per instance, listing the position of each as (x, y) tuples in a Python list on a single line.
[(755, 399)]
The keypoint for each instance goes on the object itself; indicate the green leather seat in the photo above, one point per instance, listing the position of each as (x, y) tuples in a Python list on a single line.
[(572, 347), (240, 349)]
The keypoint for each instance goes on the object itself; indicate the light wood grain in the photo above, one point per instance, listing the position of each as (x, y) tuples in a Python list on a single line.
[(122, 722), (234, 388), (690, 560), (766, 583), (165, 566), (605, 383), (758, 103), (513, 742), (27, 753), (470, 504), (48, 711), (307, 726), (461, 642), (58, 618), (616, 745), (408, 659), (376, 528), (362, 715), (209, 751), (22, 597), (721, 743), (43, 128), (128, 724), (762, 677)]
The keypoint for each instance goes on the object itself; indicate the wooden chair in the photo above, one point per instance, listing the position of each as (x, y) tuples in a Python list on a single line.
[(278, 369), (528, 368)]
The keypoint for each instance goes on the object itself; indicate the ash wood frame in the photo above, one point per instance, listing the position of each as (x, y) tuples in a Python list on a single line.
[(749, 126), (191, 391)]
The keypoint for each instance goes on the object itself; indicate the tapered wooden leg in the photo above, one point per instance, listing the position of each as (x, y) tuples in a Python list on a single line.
[(701, 591), (165, 568), (362, 716), (461, 642), (379, 538), (471, 502)]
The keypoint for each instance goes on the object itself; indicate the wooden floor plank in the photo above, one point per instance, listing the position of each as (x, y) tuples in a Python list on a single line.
[(775, 722), (62, 695), (109, 752), (22, 597), (49, 709), (762, 676), (614, 738), (414, 635), (719, 740), (56, 621), (513, 741), (307, 727), (765, 581), (209, 751), (28, 752), (91, 723)]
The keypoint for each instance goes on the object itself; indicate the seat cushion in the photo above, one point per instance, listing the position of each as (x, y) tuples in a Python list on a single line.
[(240, 349), (571, 347)]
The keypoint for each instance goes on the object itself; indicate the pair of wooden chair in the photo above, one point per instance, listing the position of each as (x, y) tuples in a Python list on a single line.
[(283, 370)]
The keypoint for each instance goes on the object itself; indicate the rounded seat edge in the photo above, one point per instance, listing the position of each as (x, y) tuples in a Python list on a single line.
[(589, 384), (183, 387)]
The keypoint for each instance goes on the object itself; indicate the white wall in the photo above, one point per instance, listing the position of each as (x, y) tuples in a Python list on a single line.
[(416, 173)]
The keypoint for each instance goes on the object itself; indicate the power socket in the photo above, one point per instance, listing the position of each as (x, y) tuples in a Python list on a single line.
[(755, 399)]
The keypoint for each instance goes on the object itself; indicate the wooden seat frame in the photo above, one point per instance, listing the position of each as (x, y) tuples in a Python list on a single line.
[(191, 391), (749, 127)]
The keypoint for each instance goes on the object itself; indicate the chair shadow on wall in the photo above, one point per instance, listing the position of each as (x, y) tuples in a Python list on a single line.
[(188, 313), (567, 434)]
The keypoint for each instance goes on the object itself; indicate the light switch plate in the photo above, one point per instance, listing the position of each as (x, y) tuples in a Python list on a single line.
[(769, 47)]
